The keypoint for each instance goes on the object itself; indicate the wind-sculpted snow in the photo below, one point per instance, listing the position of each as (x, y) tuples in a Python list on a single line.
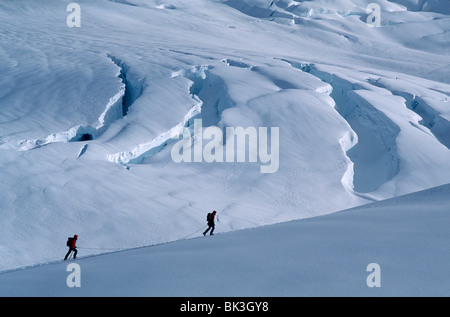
[(210, 90), (133, 86), (432, 108), (75, 134), (116, 108), (297, 12), (437, 6), (210, 98), (288, 9), (375, 155)]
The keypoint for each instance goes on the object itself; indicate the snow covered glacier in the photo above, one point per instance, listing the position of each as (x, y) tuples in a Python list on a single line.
[(91, 111)]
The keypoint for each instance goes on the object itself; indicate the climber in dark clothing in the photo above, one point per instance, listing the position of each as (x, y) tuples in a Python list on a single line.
[(71, 243), (210, 219)]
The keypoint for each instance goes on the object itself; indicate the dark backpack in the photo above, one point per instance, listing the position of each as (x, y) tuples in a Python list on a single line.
[(209, 217), (69, 242)]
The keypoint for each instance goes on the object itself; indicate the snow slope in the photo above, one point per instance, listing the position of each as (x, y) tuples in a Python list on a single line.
[(88, 115), (406, 236)]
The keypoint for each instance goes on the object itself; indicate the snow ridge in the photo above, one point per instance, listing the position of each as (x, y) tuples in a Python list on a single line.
[(208, 91), (116, 108), (431, 119), (372, 151), (75, 134)]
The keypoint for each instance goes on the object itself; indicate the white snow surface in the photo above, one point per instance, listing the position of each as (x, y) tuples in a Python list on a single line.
[(331, 255), (88, 115)]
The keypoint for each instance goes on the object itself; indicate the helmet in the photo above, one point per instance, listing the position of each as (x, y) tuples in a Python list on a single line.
[(214, 212), (75, 236)]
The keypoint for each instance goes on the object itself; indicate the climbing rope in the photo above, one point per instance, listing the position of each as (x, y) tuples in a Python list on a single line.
[(153, 245), (202, 228)]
